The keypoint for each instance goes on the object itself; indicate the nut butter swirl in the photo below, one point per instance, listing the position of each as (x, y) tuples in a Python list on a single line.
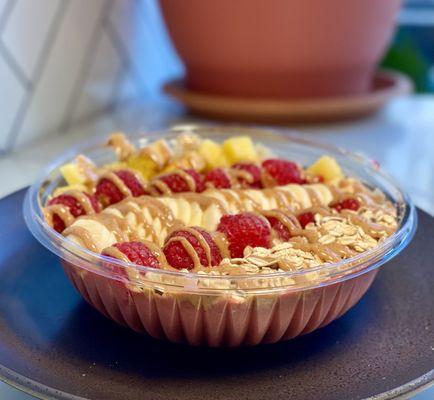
[(63, 211)]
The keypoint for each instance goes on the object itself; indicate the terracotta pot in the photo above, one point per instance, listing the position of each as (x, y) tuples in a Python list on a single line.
[(280, 48)]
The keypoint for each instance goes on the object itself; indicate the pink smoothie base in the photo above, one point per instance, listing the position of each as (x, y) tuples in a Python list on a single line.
[(223, 321)]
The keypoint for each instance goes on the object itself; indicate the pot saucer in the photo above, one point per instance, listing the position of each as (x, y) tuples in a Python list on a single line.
[(385, 86)]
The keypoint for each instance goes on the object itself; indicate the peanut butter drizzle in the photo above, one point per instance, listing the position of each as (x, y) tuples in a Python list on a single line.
[(87, 167), (188, 247), (203, 200), (159, 153), (266, 179), (231, 198), (222, 243), (158, 186), (290, 221), (313, 196), (121, 145), (247, 202), (235, 175), (83, 235), (114, 252), (63, 212), (119, 183), (82, 199), (287, 198)]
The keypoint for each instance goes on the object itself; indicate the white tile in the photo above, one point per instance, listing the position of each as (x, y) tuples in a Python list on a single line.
[(2, 6), (11, 96), (127, 88), (98, 90), (55, 88), (139, 43), (154, 22), (26, 31), (141, 30)]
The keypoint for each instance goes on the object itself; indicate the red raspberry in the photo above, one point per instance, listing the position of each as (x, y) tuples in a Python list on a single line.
[(244, 229), (283, 171), (138, 253), (254, 171), (281, 230), (58, 224), (108, 193), (177, 183), (347, 204), (74, 207), (177, 255), (305, 218), (218, 178), (131, 182)]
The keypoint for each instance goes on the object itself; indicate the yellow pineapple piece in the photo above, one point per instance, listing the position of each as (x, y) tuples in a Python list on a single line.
[(145, 165), (213, 154), (169, 168), (116, 166), (240, 148), (72, 174), (62, 189), (327, 167), (159, 152)]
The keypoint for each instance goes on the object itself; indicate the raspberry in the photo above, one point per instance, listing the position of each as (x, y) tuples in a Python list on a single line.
[(178, 256), (244, 229), (131, 182), (305, 218), (108, 193), (218, 178), (281, 230), (58, 224), (74, 207), (138, 253), (282, 171), (347, 204), (254, 172), (178, 184)]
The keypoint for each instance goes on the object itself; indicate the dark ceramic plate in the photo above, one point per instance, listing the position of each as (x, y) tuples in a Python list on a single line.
[(54, 345)]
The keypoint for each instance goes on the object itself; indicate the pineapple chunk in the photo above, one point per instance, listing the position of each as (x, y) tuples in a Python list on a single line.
[(159, 152), (62, 189), (72, 174), (115, 166), (144, 165), (327, 167), (240, 148), (213, 154)]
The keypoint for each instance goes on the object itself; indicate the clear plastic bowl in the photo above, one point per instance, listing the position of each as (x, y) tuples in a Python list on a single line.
[(223, 310)]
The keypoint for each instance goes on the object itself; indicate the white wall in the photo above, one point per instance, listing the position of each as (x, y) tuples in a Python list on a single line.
[(63, 61)]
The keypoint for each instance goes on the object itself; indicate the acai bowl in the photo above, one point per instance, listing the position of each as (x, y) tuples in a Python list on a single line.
[(219, 236)]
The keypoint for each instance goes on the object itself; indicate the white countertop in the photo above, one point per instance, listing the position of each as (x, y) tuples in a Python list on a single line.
[(400, 138)]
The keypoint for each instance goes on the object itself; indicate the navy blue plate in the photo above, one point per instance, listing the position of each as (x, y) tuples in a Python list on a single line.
[(54, 345)]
